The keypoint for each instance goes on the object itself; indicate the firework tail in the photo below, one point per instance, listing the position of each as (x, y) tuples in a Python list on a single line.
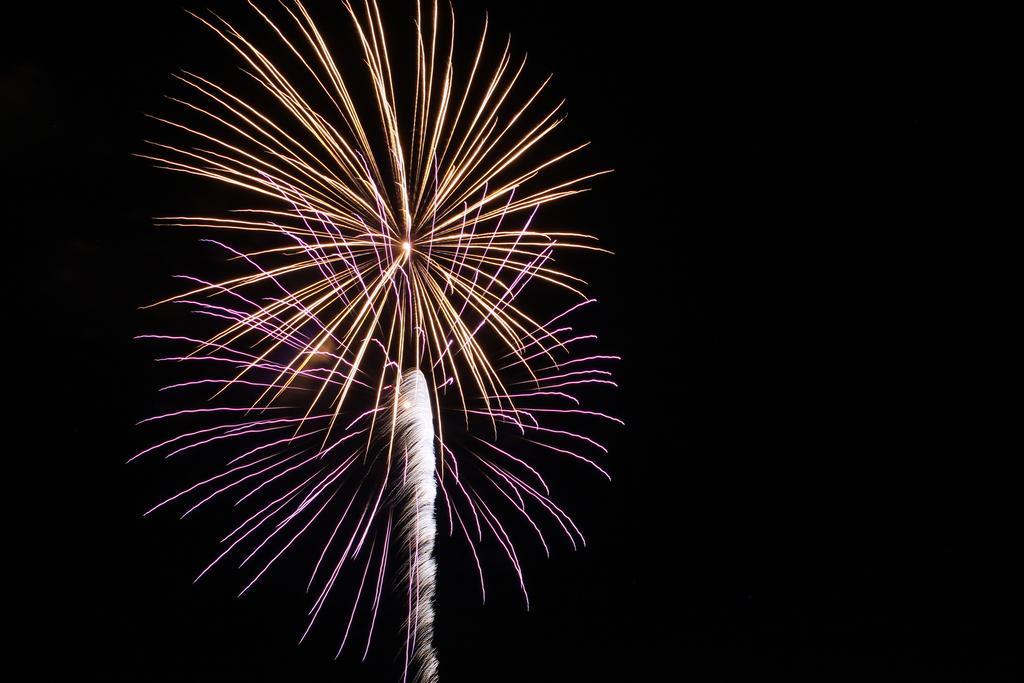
[(416, 525)]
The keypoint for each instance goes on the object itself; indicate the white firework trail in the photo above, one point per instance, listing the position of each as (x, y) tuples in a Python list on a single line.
[(417, 526)]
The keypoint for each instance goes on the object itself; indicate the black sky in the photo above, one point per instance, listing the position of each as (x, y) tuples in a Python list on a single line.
[(790, 496)]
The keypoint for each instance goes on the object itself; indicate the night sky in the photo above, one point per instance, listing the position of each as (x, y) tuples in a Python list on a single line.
[(789, 496)]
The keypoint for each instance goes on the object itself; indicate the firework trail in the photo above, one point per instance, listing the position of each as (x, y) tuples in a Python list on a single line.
[(371, 356), (414, 433)]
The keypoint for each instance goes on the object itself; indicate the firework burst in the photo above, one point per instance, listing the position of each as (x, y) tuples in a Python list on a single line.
[(373, 350)]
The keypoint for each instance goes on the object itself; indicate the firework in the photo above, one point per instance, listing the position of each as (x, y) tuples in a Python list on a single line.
[(373, 353)]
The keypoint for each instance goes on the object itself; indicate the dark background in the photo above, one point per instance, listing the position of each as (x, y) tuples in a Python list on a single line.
[(794, 493)]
